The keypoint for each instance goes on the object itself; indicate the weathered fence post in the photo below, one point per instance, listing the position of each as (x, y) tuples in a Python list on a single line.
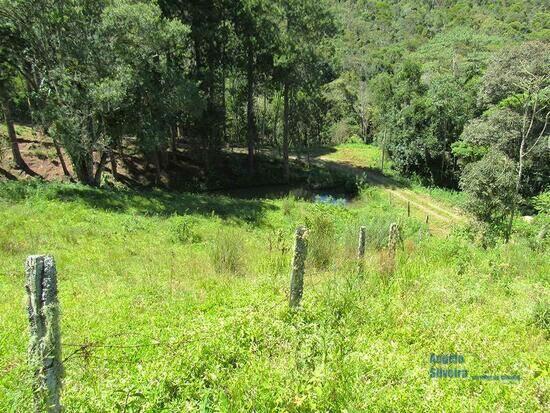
[(408, 209), (298, 267), (394, 238), (542, 233), (361, 248), (45, 337), (427, 219)]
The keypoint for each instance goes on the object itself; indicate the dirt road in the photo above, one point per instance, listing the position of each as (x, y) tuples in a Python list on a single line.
[(442, 217)]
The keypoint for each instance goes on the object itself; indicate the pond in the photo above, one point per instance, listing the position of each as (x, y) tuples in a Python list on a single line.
[(336, 196)]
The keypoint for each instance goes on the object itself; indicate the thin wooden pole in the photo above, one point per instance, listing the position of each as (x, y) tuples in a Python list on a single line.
[(361, 248)]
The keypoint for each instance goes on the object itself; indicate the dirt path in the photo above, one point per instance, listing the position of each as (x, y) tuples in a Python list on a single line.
[(442, 217)]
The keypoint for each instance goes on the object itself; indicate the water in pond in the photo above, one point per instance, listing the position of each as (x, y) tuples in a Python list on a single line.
[(335, 196)]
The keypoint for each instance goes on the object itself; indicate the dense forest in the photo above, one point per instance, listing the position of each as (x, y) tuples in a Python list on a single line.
[(456, 93)]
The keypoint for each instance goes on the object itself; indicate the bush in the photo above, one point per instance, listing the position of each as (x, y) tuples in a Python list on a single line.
[(183, 230), (288, 204), (354, 139), (542, 202)]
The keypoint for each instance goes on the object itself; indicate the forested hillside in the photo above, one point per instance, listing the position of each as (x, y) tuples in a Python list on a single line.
[(455, 92)]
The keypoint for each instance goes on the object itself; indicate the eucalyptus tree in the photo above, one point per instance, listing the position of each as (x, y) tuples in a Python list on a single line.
[(101, 71), (58, 38)]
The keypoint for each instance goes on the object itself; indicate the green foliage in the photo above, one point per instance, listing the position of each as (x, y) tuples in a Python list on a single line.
[(490, 185), (288, 204), (184, 230), (542, 202), (354, 139), (468, 153)]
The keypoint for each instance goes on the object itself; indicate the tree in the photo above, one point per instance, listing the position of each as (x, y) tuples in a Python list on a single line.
[(101, 72), (144, 86), (299, 62), (10, 47), (516, 91), (255, 25)]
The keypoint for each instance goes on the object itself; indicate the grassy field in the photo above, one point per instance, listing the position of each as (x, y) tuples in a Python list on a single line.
[(359, 154), (370, 156), (179, 302)]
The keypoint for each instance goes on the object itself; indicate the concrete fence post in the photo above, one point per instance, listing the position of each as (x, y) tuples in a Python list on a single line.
[(298, 267), (45, 338)]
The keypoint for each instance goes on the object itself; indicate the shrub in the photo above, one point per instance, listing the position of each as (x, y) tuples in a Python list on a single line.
[(183, 230), (288, 204), (542, 202), (354, 139)]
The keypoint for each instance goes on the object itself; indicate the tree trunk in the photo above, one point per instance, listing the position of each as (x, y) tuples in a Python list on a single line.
[(16, 153), (61, 158), (508, 233), (286, 115), (173, 139), (383, 150), (252, 133), (114, 165), (100, 168), (156, 159), (275, 124), (83, 168)]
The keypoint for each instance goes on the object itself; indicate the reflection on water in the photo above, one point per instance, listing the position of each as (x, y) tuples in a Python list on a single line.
[(329, 199)]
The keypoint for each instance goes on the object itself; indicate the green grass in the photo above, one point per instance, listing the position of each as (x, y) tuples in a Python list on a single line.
[(178, 302), (359, 154), (446, 196)]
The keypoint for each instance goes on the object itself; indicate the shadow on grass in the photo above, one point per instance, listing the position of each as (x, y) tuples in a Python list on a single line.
[(7, 175), (321, 151), (374, 176), (145, 202)]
